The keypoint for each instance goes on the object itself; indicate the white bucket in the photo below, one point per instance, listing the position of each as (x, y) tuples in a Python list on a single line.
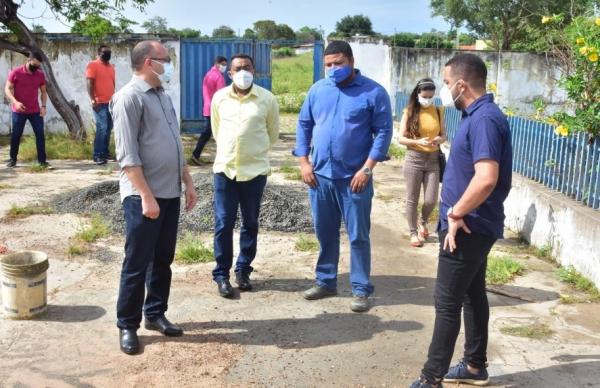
[(23, 279)]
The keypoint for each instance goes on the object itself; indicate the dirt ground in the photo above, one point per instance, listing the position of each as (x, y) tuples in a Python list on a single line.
[(272, 336)]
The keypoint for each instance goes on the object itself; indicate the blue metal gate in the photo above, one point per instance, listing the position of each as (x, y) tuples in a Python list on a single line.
[(318, 66), (197, 57)]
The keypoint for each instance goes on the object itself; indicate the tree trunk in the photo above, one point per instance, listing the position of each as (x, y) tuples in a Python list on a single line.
[(26, 43)]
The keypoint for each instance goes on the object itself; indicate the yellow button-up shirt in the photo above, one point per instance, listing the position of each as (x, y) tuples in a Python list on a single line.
[(244, 129)]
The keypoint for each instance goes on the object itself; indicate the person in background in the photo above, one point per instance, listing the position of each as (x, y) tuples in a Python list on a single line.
[(422, 131), (212, 82), (150, 154), (25, 87), (245, 124), (345, 125), (476, 182), (100, 75)]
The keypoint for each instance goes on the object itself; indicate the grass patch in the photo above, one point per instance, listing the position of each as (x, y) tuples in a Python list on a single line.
[(291, 173), (292, 77), (534, 331), (502, 269), (191, 250), (76, 249), (108, 170), (37, 168), (580, 283), (396, 151), (28, 210), (61, 146), (4, 186), (307, 243), (98, 229), (544, 252)]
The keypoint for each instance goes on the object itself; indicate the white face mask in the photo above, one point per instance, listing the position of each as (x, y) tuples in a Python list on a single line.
[(425, 102), (243, 79), (165, 77), (222, 68), (446, 96)]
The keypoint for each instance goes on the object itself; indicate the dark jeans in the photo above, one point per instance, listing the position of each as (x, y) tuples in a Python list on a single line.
[(104, 125), (460, 284), (204, 138), (149, 252), (229, 194), (18, 125)]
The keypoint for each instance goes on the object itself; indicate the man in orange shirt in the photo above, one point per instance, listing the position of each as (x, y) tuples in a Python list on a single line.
[(100, 74)]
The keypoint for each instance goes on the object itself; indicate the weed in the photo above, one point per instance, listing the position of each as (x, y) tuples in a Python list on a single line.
[(502, 269), (61, 146), (290, 172), (4, 186), (307, 243), (108, 170), (396, 151), (37, 168), (191, 250), (27, 210), (97, 229), (533, 331), (579, 282), (76, 249)]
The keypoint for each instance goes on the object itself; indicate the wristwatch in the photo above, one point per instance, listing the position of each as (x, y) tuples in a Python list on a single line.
[(367, 171), (451, 215)]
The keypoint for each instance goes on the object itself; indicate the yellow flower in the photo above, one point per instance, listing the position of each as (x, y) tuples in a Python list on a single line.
[(561, 130), (593, 57), (583, 50), (493, 87), (598, 22), (546, 19), (580, 41)]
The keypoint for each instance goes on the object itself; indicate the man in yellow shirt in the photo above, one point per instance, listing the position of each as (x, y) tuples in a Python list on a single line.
[(245, 124)]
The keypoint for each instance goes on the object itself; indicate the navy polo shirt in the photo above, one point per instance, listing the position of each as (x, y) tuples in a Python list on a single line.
[(483, 134)]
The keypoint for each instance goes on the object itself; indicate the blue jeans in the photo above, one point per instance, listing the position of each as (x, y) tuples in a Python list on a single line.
[(149, 252), (229, 194), (18, 125), (104, 125), (331, 201), (205, 134)]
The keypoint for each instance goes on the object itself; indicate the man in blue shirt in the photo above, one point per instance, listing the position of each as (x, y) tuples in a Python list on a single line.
[(476, 182), (345, 125)]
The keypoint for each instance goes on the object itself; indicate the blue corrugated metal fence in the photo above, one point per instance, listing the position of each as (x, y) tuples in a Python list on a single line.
[(566, 164)]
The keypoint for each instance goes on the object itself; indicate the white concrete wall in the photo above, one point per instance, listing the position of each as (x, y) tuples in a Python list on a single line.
[(374, 61), (548, 218), (69, 60)]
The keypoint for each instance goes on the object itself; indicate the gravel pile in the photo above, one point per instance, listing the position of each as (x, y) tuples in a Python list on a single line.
[(283, 209)]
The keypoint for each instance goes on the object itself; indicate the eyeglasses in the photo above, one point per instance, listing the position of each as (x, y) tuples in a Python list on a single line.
[(163, 60)]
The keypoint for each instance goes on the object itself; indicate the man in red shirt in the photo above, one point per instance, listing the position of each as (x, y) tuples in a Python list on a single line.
[(100, 74), (21, 90), (213, 81)]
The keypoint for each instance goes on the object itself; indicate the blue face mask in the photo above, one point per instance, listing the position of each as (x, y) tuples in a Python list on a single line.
[(339, 73)]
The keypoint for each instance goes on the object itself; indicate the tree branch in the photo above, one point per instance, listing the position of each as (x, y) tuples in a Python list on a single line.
[(12, 46)]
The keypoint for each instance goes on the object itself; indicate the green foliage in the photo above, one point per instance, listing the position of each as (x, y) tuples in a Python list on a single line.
[(501, 270), (27, 210), (505, 22), (250, 34), (186, 32), (292, 77), (38, 29), (94, 26), (579, 50), (396, 151), (269, 30), (404, 39), (284, 52), (307, 243), (534, 331), (434, 40), (98, 229), (308, 35), (354, 25), (291, 173), (223, 32), (156, 25), (76, 249), (37, 168), (570, 276), (59, 146), (191, 250)]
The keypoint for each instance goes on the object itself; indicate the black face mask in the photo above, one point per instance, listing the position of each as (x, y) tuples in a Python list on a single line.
[(105, 56), (33, 68)]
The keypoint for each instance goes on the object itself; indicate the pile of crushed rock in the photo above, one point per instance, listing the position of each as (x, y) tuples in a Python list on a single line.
[(284, 208)]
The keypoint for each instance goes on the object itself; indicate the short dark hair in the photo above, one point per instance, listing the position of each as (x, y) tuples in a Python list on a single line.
[(470, 68), (140, 52), (36, 55), (220, 59), (339, 47), (243, 56), (101, 47)]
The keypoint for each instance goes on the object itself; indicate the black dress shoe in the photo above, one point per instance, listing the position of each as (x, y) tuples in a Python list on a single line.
[(163, 325), (225, 289), (243, 281), (129, 342)]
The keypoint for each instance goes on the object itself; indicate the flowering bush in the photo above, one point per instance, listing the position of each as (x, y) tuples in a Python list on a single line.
[(578, 53)]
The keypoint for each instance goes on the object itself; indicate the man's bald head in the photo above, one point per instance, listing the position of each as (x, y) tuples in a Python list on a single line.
[(142, 50)]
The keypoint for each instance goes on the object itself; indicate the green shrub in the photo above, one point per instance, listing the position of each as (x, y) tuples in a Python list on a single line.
[(500, 270), (97, 229), (284, 52), (191, 250)]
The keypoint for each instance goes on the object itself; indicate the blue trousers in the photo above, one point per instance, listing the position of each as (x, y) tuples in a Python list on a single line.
[(18, 125), (149, 252), (331, 201), (229, 195), (104, 125), (205, 134)]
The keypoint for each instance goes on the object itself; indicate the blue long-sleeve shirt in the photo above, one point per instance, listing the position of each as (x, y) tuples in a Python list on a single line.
[(340, 127)]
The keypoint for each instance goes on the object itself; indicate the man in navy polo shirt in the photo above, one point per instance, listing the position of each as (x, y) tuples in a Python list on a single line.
[(476, 183), (347, 120)]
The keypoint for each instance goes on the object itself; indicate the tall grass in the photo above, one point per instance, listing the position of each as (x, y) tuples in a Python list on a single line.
[(292, 77), (61, 146)]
